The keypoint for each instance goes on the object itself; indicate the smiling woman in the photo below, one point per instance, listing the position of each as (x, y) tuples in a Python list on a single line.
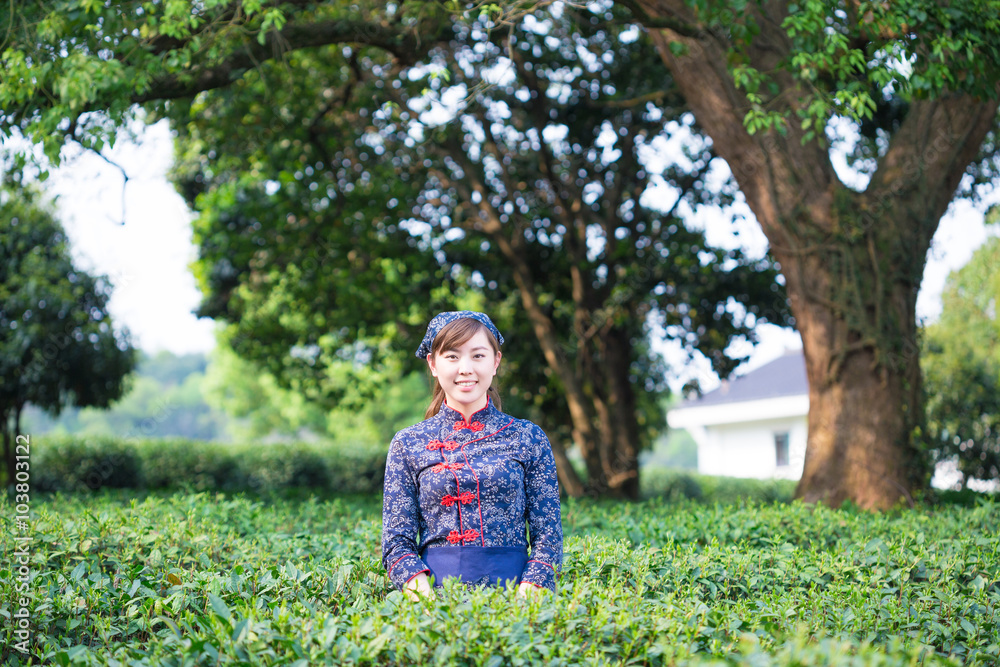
[(465, 361), (469, 489)]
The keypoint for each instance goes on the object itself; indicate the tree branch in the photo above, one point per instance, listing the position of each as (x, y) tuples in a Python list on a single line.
[(655, 96), (760, 162), (937, 140), (408, 46), (678, 26), (539, 116)]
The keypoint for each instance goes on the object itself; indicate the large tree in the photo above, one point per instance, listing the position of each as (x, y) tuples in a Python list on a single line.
[(335, 215), (531, 198), (918, 82), (58, 346)]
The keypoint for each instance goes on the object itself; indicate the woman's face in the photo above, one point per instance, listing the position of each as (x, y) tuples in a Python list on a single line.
[(466, 373)]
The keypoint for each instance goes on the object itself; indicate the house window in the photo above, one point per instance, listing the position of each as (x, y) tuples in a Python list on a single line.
[(781, 449)]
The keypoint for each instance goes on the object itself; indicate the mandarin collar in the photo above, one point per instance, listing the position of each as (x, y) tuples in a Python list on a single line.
[(486, 419)]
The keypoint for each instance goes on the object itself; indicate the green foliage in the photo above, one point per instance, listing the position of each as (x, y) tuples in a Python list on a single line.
[(62, 60), (961, 365), (372, 425), (58, 346), (201, 578), (852, 60), (164, 399), (344, 197), (76, 463), (171, 369), (227, 398), (262, 408)]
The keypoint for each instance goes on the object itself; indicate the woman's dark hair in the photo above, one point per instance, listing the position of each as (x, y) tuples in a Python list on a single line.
[(451, 337)]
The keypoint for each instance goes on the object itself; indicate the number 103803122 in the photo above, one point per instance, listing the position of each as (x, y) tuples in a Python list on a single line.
[(22, 453)]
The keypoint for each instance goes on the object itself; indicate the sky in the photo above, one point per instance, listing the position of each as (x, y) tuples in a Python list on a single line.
[(139, 234)]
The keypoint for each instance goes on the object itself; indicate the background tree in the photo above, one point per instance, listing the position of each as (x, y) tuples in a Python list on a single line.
[(917, 82), (58, 346), (961, 365), (532, 197), (609, 272), (261, 408)]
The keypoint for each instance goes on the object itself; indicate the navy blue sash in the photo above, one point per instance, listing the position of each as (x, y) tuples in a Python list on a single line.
[(491, 566)]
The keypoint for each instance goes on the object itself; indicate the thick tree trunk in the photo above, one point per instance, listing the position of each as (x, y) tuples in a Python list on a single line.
[(621, 459), (859, 446), (569, 481), (863, 366), (852, 262)]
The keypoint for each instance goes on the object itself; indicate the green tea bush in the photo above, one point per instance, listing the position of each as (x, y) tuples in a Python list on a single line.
[(193, 464), (200, 578)]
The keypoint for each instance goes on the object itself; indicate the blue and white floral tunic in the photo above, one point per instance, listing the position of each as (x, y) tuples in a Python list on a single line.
[(459, 495)]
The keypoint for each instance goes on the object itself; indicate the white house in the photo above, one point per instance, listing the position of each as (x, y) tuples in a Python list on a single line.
[(754, 425)]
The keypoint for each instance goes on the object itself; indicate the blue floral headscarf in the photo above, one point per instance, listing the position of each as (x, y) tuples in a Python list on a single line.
[(442, 319)]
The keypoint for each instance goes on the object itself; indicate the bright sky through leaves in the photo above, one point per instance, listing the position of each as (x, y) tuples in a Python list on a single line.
[(155, 294)]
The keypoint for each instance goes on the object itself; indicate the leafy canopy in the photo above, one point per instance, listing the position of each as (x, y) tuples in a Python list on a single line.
[(73, 70), (336, 216), (63, 60), (850, 59)]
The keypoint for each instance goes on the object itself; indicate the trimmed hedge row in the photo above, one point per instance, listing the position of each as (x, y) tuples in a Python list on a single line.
[(75, 464), (675, 485)]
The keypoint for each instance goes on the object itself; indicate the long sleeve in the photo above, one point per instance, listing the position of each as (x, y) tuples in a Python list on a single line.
[(544, 514), (400, 519)]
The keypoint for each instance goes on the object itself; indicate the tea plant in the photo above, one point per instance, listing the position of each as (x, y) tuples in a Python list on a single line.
[(198, 578)]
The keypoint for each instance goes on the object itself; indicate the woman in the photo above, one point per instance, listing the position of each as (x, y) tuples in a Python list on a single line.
[(461, 486)]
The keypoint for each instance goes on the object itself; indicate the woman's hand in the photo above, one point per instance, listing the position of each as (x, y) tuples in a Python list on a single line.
[(526, 590), (419, 586)]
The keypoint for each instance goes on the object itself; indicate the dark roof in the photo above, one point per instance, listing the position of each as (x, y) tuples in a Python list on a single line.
[(785, 376)]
